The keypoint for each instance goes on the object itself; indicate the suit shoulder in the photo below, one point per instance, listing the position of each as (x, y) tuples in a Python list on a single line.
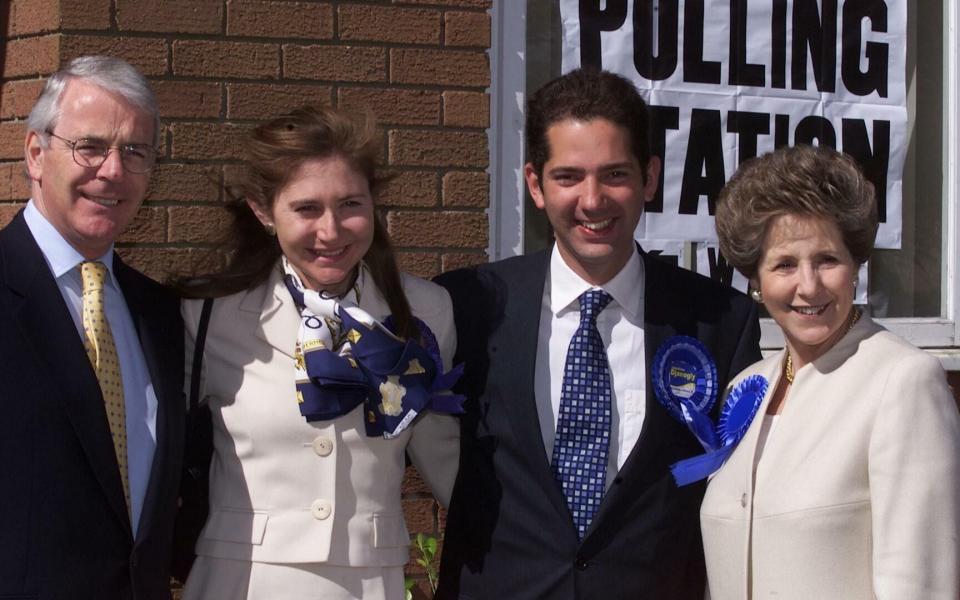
[(687, 279), (146, 290), (888, 350), (425, 297), (707, 297), (470, 280)]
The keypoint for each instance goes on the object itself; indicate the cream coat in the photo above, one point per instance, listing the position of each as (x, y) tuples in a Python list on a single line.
[(283, 490), (857, 493)]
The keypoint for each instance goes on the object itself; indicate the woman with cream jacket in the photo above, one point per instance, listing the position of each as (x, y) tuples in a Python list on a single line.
[(847, 483), (306, 477)]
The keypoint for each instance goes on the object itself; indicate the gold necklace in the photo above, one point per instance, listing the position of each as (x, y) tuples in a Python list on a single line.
[(788, 372)]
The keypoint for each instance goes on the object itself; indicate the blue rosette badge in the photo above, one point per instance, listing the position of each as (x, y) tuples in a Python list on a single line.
[(685, 382)]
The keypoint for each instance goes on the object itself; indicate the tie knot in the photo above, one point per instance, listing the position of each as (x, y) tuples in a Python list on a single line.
[(94, 273), (592, 302)]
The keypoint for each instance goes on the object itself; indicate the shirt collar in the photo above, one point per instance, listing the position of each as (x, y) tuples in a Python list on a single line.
[(626, 287), (61, 257)]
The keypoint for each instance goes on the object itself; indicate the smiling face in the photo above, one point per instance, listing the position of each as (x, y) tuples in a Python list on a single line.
[(593, 191), (90, 207), (324, 221), (806, 276)]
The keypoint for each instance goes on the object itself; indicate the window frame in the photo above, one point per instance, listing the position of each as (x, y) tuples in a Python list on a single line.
[(940, 336)]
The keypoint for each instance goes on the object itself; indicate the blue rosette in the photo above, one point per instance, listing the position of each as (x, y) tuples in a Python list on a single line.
[(685, 379), (741, 407)]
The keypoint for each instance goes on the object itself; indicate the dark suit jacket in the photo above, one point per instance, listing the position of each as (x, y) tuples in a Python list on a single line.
[(509, 533), (64, 529)]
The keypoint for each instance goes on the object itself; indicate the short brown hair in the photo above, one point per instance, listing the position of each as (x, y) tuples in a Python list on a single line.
[(584, 95), (802, 180)]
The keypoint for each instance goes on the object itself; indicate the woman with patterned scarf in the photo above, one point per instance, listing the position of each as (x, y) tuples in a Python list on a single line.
[(323, 366)]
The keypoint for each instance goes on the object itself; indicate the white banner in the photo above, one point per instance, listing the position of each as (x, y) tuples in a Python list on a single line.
[(730, 79)]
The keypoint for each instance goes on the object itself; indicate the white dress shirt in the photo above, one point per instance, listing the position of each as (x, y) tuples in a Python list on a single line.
[(621, 329), (138, 395)]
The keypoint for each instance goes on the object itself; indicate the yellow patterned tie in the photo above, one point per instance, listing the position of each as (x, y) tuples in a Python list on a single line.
[(103, 356)]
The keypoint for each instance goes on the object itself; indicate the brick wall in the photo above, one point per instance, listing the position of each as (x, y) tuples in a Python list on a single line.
[(219, 66)]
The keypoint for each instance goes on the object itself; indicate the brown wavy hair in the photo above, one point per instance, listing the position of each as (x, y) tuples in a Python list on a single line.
[(274, 152), (801, 180)]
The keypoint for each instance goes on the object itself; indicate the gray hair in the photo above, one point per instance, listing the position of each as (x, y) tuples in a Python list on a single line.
[(112, 74)]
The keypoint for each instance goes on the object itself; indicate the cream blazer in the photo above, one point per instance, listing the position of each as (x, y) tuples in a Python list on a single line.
[(287, 491), (857, 493)]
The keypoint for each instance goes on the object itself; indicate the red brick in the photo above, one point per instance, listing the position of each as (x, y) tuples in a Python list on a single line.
[(389, 24), (334, 63), (208, 141), (18, 97), (149, 55), (32, 16), (174, 16), (409, 188), (486, 4), (14, 184), (420, 514), (232, 175), (149, 226), (421, 264), (466, 109), (395, 106), (459, 260), (197, 224), (161, 263), (280, 19), (422, 229), (184, 183), (439, 67), (5, 173), (163, 148), (413, 483), (187, 98), (8, 212), (89, 14), (226, 59), (12, 134), (438, 148), (31, 56), (466, 29), (466, 188), (264, 101)]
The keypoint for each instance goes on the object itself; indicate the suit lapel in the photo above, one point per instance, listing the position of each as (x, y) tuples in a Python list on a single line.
[(49, 331), (518, 339), (278, 315), (162, 367), (661, 321)]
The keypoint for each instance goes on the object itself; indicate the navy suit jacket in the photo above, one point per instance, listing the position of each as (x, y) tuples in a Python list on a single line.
[(64, 529), (509, 533)]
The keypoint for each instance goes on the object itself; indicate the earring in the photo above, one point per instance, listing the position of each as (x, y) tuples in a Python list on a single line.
[(757, 296), (270, 229), (855, 282)]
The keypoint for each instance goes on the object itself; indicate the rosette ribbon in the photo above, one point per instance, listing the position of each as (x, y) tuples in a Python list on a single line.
[(685, 383), (394, 379), (735, 418)]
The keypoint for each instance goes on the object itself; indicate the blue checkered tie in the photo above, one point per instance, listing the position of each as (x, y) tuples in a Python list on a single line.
[(583, 428)]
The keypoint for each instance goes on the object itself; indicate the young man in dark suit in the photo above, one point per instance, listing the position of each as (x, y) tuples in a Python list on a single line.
[(564, 489), (91, 354)]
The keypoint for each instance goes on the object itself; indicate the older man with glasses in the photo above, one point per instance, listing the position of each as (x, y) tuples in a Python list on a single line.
[(91, 354)]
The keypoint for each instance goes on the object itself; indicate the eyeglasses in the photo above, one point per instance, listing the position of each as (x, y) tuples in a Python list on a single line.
[(136, 158)]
